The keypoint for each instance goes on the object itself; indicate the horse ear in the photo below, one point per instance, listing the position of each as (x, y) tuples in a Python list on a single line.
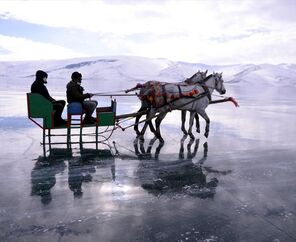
[(221, 74), (206, 72)]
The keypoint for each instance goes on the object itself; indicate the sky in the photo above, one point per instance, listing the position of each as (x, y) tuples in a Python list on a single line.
[(198, 31)]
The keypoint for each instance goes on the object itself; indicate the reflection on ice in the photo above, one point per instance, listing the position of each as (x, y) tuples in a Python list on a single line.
[(77, 174), (80, 170), (43, 177), (184, 176), (146, 154)]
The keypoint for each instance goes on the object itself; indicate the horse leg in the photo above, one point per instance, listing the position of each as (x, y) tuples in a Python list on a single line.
[(145, 106), (207, 119), (152, 129), (138, 117), (150, 115), (197, 123), (157, 124), (192, 114), (136, 126), (183, 119)]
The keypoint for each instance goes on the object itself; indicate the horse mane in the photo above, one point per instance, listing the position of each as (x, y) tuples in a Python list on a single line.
[(207, 78), (191, 76), (189, 79)]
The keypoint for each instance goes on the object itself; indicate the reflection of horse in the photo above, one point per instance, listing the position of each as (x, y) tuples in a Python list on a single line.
[(44, 172), (196, 104), (183, 176), (146, 154), (146, 104)]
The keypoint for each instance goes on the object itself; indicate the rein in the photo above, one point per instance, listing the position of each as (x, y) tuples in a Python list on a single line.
[(113, 94)]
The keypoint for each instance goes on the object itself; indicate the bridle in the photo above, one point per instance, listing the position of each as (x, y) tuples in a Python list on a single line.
[(206, 87), (202, 83)]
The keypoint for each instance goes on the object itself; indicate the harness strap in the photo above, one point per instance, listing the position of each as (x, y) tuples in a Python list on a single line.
[(191, 101), (164, 94), (180, 91), (207, 91)]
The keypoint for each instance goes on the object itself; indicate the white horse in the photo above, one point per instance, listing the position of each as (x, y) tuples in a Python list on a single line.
[(196, 78), (194, 104), (146, 104)]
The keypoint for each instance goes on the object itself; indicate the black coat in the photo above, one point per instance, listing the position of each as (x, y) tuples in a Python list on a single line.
[(75, 93), (39, 87)]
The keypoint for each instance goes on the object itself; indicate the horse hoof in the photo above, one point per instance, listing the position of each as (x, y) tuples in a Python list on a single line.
[(137, 133), (140, 137)]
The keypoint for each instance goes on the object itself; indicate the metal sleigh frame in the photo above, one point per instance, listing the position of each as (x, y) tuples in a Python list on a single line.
[(40, 108)]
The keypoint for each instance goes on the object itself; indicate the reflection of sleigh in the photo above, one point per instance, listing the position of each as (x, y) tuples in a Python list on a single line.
[(80, 170), (41, 108)]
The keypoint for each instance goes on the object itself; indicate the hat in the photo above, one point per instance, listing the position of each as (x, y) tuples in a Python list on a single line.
[(41, 74), (76, 75)]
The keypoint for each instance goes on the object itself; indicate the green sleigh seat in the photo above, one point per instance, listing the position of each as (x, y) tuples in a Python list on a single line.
[(39, 107)]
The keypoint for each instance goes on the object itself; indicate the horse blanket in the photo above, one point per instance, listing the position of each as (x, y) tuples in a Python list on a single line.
[(161, 93)]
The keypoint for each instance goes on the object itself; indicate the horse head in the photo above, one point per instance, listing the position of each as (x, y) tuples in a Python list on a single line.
[(219, 86), (197, 77)]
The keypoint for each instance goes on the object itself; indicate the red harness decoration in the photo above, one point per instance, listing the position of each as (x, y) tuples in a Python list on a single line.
[(159, 93)]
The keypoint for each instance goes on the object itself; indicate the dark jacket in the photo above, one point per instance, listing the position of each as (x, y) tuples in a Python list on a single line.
[(75, 93), (39, 87)]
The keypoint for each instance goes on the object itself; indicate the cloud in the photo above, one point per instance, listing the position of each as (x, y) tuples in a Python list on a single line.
[(24, 49), (122, 19), (248, 33), (4, 51), (222, 31)]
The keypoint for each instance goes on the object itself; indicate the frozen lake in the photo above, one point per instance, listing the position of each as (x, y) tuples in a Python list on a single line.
[(237, 185)]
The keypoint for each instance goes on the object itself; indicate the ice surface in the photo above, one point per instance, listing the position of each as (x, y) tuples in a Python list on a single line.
[(237, 185)]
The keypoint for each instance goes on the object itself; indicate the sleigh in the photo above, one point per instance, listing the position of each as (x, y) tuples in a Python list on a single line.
[(41, 112)]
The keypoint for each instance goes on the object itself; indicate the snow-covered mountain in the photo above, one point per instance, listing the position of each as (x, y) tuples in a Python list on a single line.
[(121, 72)]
